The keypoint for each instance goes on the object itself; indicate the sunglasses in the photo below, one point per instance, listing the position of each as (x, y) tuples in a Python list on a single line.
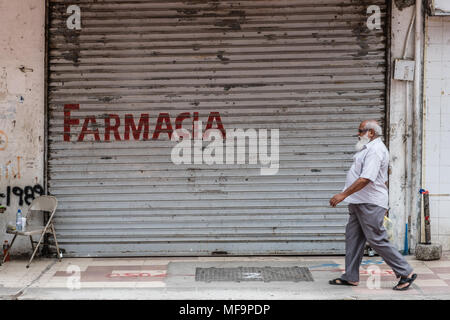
[(363, 130)]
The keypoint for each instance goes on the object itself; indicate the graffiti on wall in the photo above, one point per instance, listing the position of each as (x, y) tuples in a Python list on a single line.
[(10, 169), (3, 140), (25, 195)]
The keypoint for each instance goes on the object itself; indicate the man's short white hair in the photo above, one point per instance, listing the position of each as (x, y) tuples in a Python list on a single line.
[(373, 124)]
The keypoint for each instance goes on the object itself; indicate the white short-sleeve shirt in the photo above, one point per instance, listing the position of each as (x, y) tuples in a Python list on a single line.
[(372, 163)]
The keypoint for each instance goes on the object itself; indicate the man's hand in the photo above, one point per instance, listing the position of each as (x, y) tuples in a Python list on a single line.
[(355, 187), (337, 198)]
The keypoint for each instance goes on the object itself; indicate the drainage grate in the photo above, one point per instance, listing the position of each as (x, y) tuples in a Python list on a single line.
[(265, 274)]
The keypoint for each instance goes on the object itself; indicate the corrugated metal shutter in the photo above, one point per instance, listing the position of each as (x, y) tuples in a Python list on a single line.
[(310, 68)]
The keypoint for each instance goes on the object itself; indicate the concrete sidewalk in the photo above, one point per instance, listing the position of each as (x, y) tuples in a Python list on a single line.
[(174, 278)]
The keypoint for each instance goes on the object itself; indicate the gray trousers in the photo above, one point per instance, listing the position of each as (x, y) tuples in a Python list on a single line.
[(366, 223)]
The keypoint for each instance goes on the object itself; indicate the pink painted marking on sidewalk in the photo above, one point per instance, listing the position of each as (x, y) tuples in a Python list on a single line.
[(140, 273)]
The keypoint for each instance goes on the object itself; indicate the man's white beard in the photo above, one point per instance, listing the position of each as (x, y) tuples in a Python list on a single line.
[(362, 142)]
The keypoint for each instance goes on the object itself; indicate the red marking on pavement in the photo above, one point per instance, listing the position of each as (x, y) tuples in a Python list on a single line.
[(137, 275), (120, 273)]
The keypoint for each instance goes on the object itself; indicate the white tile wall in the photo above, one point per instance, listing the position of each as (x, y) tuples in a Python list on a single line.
[(445, 120), (445, 136), (446, 86), (435, 206), (444, 240), (434, 52), (434, 87), (444, 226), (435, 35), (446, 31), (437, 127), (432, 177), (434, 120), (434, 70), (445, 101), (432, 144), (444, 207), (444, 161), (445, 187), (434, 23), (433, 105), (434, 228)]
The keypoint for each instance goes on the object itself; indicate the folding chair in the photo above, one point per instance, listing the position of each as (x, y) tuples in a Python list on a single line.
[(41, 204)]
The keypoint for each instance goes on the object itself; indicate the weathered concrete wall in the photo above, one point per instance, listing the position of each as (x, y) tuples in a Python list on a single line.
[(436, 160), (22, 52)]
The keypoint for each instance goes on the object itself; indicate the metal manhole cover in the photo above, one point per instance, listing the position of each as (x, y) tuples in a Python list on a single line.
[(265, 274)]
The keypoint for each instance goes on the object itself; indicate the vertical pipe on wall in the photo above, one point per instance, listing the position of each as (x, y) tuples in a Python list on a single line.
[(408, 165), (46, 117), (420, 222), (46, 80), (408, 144), (416, 116), (388, 34)]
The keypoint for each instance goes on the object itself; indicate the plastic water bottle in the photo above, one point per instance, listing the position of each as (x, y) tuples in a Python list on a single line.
[(19, 220)]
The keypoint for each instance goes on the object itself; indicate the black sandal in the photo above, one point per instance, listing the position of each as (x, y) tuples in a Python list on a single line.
[(341, 283), (404, 280)]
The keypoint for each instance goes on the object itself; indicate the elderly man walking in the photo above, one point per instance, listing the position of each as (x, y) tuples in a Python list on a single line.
[(367, 194)]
